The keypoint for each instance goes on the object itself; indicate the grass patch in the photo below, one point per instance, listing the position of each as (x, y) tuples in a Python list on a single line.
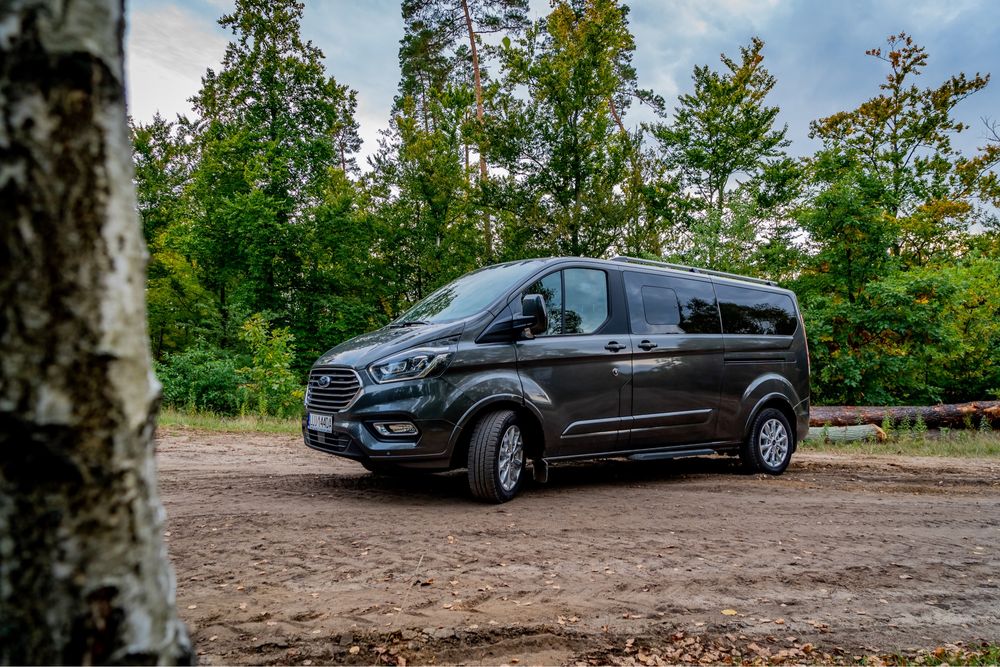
[(946, 442), (207, 421), (988, 654)]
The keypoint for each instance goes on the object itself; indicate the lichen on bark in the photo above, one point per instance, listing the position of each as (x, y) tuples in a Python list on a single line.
[(84, 575)]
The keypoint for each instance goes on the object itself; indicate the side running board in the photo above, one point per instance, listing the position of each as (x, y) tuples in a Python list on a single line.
[(656, 456)]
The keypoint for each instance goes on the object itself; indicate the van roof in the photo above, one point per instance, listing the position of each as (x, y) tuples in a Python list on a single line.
[(666, 267), (691, 269)]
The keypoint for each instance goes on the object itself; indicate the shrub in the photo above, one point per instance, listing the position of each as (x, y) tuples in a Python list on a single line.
[(270, 386), (201, 379)]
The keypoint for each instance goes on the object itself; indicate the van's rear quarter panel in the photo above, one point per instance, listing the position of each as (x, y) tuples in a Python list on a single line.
[(754, 366)]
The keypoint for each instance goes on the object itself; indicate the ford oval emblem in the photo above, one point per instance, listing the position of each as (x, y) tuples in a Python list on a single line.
[(324, 381)]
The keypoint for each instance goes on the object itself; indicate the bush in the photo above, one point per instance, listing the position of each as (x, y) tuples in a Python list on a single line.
[(270, 386), (201, 379)]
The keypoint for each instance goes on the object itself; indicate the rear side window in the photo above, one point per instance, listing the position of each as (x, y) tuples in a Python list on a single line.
[(576, 300), (663, 304), (746, 310)]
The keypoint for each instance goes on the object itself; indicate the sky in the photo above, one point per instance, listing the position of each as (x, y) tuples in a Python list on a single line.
[(814, 48)]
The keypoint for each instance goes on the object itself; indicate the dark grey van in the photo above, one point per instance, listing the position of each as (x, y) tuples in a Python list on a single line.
[(549, 360)]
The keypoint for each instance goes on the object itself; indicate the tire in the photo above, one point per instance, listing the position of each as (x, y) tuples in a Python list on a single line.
[(496, 457), (769, 446)]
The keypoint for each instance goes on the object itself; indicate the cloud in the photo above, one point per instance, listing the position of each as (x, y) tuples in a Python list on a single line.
[(168, 50)]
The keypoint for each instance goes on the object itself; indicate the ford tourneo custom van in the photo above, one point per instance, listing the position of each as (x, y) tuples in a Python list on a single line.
[(558, 359)]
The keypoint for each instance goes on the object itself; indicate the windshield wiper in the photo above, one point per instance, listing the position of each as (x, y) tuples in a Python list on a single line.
[(406, 323)]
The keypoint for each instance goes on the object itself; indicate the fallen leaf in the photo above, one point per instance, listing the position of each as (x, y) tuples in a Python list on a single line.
[(192, 606), (354, 650), (728, 612)]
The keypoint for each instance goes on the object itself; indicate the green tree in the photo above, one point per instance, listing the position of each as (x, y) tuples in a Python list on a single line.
[(274, 130), (436, 25), (162, 168), (893, 287), (422, 202), (566, 158), (902, 138), (726, 178)]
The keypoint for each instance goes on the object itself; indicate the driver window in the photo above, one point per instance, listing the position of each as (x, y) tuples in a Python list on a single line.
[(550, 287), (576, 300)]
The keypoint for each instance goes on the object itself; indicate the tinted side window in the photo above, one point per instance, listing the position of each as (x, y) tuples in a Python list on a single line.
[(660, 304), (752, 311), (576, 300), (586, 300)]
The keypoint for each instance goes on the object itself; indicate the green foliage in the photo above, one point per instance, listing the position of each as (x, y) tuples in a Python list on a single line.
[(899, 297), (902, 139), (567, 159), (201, 378), (270, 386), (263, 231), (722, 162)]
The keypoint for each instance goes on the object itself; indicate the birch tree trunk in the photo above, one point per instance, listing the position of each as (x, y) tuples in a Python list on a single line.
[(84, 575)]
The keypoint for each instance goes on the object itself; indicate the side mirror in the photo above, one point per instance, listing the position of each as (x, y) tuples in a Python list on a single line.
[(508, 327), (533, 308)]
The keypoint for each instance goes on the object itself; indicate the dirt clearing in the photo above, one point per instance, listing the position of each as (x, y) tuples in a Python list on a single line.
[(286, 555)]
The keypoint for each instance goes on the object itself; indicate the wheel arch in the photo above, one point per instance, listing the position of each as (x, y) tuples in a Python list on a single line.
[(534, 440), (780, 402)]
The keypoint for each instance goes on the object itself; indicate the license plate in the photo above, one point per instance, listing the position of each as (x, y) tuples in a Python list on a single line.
[(322, 423)]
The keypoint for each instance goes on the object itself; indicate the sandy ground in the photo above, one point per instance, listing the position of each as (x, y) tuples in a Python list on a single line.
[(287, 555)]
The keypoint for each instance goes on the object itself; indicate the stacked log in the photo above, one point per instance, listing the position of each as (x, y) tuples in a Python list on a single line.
[(955, 415), (848, 433)]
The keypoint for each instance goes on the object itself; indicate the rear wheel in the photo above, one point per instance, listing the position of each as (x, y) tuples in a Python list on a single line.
[(769, 446), (496, 457)]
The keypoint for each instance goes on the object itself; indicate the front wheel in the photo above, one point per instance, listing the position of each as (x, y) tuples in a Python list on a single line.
[(769, 446), (496, 457)]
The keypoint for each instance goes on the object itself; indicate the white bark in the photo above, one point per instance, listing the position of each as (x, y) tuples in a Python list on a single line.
[(84, 575)]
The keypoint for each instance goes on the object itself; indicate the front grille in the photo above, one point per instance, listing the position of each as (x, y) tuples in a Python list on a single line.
[(342, 389), (328, 442)]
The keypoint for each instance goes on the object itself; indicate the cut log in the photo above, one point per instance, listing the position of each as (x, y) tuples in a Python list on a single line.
[(955, 415), (848, 433)]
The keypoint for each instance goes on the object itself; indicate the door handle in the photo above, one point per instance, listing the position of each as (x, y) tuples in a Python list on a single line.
[(647, 345), (614, 346)]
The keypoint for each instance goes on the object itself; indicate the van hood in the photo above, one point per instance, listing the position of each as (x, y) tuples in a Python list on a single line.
[(360, 351)]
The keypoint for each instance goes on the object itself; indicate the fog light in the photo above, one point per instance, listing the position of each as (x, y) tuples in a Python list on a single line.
[(395, 429)]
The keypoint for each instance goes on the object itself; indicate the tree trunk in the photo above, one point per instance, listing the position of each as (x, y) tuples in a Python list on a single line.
[(849, 433), (84, 575), (934, 416), (483, 172)]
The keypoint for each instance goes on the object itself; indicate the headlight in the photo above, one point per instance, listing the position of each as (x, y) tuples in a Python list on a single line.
[(411, 364)]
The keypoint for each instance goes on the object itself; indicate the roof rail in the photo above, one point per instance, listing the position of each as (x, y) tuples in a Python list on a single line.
[(691, 269)]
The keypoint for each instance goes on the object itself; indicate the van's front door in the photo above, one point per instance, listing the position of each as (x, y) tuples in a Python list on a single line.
[(577, 374), (677, 363)]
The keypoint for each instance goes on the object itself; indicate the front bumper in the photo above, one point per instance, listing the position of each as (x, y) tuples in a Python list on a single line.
[(421, 402)]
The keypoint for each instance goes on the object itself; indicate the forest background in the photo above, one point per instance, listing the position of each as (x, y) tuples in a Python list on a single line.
[(271, 240)]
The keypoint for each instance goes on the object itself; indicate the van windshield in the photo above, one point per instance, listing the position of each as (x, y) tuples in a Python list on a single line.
[(469, 294)]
